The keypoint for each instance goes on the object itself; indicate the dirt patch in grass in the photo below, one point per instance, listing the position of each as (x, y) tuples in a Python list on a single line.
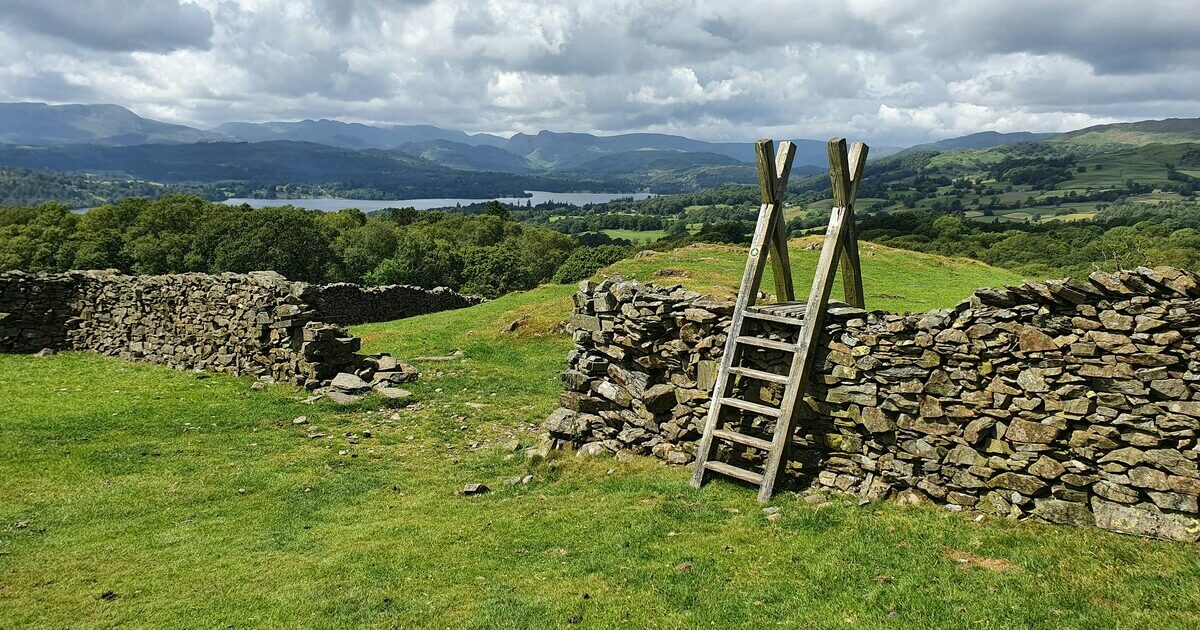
[(967, 561)]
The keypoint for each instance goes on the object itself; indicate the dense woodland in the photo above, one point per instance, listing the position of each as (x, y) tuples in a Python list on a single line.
[(486, 254)]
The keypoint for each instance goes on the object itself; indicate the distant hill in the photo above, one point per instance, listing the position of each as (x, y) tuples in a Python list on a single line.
[(394, 175), (467, 157), (349, 135), (40, 124), (565, 151), (981, 140), (1169, 131), (647, 160)]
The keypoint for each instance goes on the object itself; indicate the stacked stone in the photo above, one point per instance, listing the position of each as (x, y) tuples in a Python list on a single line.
[(349, 304), (327, 349), (234, 323), (34, 311), (258, 323), (1069, 401), (645, 362)]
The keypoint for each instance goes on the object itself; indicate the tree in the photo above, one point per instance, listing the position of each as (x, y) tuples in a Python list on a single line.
[(163, 237), (37, 239), (496, 209), (363, 248), (417, 260), (494, 271), (100, 235), (284, 239), (586, 261)]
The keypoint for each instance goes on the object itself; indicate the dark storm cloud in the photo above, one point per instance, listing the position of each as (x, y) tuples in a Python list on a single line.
[(113, 25), (1113, 36)]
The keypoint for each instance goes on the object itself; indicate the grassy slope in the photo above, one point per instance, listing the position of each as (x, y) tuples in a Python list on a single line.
[(893, 279), (129, 479)]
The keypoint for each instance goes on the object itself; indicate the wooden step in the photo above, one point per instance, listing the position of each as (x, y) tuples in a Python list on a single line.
[(771, 317), (742, 438), (770, 344), (769, 377), (735, 472), (770, 412)]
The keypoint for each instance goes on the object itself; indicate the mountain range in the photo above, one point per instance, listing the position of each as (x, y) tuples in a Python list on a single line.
[(407, 161), (39, 124), (42, 125)]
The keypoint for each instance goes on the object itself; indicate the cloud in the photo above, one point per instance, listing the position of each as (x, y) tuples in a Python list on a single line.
[(891, 71), (682, 85), (112, 25)]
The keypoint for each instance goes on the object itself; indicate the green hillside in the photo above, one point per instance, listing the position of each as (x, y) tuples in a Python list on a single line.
[(1171, 130), (137, 495), (894, 279)]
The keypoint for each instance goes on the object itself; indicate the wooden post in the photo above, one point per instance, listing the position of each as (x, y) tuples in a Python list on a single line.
[(851, 266), (781, 263)]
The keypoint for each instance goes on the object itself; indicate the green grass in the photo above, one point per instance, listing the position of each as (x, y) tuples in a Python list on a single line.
[(196, 502), (893, 279), (636, 236)]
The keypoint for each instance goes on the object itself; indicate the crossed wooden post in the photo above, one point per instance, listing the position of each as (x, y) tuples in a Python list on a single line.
[(770, 242), (845, 171)]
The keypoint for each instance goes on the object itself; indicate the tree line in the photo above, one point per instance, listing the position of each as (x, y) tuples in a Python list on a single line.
[(1123, 235), (485, 254)]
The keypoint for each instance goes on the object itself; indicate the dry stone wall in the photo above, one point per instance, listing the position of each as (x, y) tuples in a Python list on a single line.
[(1074, 402), (258, 323), (349, 304)]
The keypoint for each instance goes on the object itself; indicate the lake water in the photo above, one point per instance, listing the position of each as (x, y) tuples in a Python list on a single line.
[(368, 205)]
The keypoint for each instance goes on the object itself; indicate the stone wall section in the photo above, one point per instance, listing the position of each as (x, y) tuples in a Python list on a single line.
[(349, 304), (258, 323), (1069, 401)]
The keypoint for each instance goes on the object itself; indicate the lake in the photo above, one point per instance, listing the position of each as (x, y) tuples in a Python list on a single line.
[(368, 205)]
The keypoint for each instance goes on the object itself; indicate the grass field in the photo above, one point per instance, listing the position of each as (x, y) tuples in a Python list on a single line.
[(636, 236), (893, 279), (135, 496)]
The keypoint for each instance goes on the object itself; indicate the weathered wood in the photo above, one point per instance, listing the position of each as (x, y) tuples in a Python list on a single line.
[(767, 344), (771, 234), (764, 158), (760, 375), (753, 407), (742, 438), (851, 266), (858, 164), (751, 280), (839, 171), (781, 263), (802, 360), (735, 472)]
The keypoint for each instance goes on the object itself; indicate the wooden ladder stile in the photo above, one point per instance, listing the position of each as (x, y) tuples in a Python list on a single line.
[(770, 237)]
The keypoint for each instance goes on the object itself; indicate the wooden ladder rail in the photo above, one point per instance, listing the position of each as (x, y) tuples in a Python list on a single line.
[(773, 171), (846, 174)]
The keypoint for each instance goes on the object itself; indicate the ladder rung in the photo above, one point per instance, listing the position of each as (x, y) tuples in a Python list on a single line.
[(766, 343), (778, 319), (749, 406), (742, 438), (770, 377), (735, 472)]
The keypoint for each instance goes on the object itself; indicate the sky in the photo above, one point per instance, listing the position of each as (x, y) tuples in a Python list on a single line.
[(892, 72)]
